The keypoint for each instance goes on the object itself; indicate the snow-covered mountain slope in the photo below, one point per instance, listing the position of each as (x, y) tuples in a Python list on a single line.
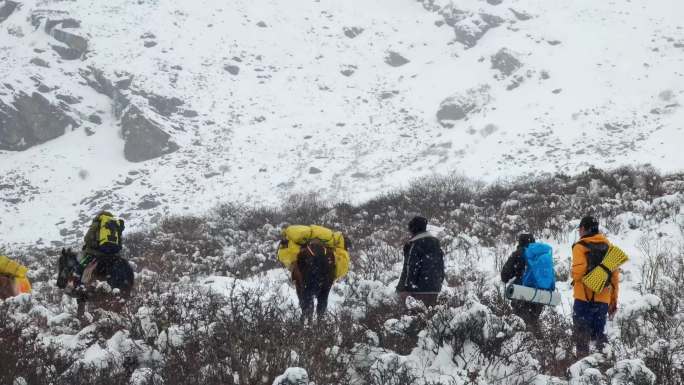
[(254, 100)]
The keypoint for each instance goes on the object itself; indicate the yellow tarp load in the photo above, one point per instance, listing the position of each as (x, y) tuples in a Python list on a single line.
[(298, 235), (598, 278), (18, 271)]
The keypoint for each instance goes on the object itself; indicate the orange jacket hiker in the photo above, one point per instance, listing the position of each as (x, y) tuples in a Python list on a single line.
[(579, 269)]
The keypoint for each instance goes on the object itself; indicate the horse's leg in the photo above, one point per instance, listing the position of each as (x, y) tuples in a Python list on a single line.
[(80, 312), (306, 302), (303, 293), (322, 300)]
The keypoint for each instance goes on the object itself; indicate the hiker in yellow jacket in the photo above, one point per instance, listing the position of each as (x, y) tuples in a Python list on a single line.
[(591, 308), (13, 280)]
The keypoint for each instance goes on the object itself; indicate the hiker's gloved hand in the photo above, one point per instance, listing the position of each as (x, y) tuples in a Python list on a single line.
[(612, 309)]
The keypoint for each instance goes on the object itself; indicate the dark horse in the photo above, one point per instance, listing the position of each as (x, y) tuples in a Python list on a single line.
[(114, 270), (313, 275), (6, 286)]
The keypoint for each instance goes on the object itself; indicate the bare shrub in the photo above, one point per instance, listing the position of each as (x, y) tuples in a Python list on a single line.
[(658, 256), (179, 246), (22, 355), (654, 336), (246, 338), (501, 254), (553, 345), (612, 225), (305, 208), (390, 372), (491, 349), (376, 260)]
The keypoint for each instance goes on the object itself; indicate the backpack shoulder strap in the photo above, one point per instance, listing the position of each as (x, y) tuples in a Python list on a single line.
[(593, 246), (581, 242), (596, 247)]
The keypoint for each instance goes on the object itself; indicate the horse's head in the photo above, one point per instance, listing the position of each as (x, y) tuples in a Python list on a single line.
[(68, 261)]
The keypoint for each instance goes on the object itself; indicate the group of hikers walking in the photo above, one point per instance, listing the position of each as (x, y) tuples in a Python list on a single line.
[(528, 273), (317, 256), (595, 281)]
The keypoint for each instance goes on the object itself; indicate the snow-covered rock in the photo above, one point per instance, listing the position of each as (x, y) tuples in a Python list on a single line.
[(293, 376), (31, 120)]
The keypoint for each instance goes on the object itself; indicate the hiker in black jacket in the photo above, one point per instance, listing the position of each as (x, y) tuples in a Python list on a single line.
[(423, 272), (515, 268)]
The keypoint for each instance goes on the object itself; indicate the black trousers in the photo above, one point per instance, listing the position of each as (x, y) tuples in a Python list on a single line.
[(528, 311)]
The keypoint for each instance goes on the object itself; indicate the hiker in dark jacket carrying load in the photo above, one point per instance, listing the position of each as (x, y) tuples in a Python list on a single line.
[(595, 278), (423, 272), (514, 269)]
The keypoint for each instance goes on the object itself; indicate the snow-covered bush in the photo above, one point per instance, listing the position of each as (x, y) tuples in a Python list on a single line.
[(649, 333), (175, 330)]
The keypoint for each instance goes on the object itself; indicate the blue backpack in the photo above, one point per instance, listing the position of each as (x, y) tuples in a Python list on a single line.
[(539, 272)]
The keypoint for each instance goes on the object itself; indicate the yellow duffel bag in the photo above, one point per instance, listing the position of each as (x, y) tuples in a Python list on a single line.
[(341, 262), (16, 271), (297, 235), (9, 267), (22, 285), (288, 252), (323, 234)]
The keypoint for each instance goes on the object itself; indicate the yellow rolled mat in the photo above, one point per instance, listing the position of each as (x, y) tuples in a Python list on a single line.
[(597, 278)]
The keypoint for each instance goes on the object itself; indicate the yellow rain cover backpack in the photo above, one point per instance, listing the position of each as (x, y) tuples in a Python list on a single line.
[(602, 260), (296, 236), (108, 230), (18, 272)]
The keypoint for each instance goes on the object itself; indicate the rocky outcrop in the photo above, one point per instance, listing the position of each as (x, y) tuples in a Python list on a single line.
[(522, 16), (165, 106), (114, 89), (76, 46), (144, 138), (470, 23), (70, 39), (232, 69), (60, 26), (39, 62), (7, 7), (31, 120), (66, 53), (459, 106), (348, 69), (65, 22), (352, 32), (470, 30), (395, 59), (505, 62)]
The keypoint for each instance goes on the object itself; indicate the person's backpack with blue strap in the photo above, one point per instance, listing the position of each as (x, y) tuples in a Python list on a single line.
[(539, 272)]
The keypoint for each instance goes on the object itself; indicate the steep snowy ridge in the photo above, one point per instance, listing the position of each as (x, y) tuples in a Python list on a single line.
[(261, 99)]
